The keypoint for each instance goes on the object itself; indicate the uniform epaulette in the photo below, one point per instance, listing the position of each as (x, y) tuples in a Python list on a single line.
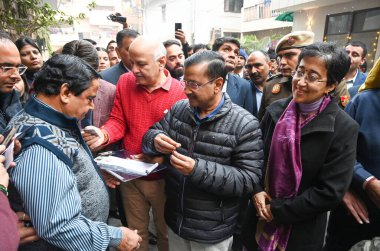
[(275, 76)]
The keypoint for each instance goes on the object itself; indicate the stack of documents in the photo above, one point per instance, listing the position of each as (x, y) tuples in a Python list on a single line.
[(125, 169)]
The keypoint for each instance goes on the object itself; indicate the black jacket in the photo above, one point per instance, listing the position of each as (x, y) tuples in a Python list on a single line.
[(204, 206), (10, 105), (328, 151)]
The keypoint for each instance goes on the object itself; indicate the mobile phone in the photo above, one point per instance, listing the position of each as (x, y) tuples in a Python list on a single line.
[(177, 26), (28, 223), (8, 135), (90, 131)]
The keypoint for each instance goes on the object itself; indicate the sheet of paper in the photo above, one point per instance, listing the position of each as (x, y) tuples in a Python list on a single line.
[(8, 154), (122, 165)]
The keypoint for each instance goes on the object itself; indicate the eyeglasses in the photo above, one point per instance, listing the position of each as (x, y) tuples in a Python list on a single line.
[(195, 85), (309, 78), (10, 69)]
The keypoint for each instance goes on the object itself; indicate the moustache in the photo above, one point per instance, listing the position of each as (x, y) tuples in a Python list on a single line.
[(255, 75)]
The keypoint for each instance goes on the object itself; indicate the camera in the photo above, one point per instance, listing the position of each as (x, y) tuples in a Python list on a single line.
[(117, 18)]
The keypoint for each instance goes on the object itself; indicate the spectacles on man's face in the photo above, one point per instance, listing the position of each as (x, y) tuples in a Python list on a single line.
[(10, 69), (195, 85), (311, 78)]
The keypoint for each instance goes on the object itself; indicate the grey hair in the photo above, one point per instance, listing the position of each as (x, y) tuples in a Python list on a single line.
[(159, 52)]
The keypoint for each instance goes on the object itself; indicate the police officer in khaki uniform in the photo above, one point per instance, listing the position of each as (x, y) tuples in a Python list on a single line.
[(288, 49)]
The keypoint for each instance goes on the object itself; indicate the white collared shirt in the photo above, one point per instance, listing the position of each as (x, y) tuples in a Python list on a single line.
[(352, 81)]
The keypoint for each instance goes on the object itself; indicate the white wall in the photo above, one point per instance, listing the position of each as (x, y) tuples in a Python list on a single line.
[(198, 17)]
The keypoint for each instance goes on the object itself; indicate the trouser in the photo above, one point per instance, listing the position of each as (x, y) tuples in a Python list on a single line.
[(176, 243), (138, 197)]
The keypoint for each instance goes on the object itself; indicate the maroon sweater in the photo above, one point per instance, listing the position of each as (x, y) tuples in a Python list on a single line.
[(9, 236), (135, 110)]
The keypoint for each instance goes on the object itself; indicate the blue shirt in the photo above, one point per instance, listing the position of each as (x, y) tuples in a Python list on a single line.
[(364, 109), (200, 120), (259, 96)]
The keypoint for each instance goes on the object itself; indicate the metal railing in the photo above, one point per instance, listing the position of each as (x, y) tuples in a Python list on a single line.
[(259, 11)]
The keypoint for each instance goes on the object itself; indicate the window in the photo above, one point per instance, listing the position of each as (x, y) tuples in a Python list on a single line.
[(339, 24), (233, 6), (360, 25), (366, 20)]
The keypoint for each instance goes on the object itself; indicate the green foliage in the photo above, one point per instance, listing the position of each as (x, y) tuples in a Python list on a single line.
[(251, 42), (27, 17)]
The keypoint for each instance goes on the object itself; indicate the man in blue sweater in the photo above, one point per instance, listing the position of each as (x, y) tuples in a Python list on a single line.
[(362, 201)]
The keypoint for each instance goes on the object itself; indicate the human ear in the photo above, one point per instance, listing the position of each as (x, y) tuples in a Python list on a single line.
[(219, 84), (162, 61), (65, 93), (118, 52)]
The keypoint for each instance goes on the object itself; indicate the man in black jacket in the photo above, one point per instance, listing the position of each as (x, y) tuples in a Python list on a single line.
[(213, 150), (11, 70)]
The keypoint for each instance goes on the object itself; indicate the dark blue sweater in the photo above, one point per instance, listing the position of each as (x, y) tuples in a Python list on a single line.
[(364, 108)]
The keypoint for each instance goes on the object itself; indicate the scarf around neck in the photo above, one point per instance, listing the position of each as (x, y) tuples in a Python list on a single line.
[(284, 171)]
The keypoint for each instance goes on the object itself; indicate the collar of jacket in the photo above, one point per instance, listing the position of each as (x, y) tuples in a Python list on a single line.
[(10, 103), (123, 67), (223, 111), (324, 122), (41, 110)]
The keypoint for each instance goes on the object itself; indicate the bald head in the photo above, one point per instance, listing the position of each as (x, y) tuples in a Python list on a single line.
[(148, 46), (148, 59), (10, 58), (259, 53)]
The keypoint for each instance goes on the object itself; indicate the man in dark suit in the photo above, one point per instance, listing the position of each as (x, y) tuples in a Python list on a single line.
[(258, 70), (354, 78), (124, 38), (236, 87)]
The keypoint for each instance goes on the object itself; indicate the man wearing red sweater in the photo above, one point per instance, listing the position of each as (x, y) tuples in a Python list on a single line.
[(143, 96)]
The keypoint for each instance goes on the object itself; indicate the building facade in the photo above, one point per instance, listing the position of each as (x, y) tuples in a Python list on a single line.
[(337, 21), (202, 21)]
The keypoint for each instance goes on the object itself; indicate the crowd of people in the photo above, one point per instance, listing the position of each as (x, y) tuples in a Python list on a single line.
[(266, 150)]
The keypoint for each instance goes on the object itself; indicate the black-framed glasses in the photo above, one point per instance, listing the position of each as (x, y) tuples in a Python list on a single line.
[(194, 85), (309, 78), (10, 69)]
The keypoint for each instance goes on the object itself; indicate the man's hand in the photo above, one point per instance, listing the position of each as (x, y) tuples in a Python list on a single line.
[(148, 158), (373, 191), (261, 202), (110, 180), (164, 144), (180, 35), (182, 163), (17, 147), (130, 240), (27, 234), (93, 136), (4, 177), (356, 207)]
